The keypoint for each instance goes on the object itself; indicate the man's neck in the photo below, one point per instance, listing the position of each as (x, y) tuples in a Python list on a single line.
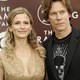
[(63, 34)]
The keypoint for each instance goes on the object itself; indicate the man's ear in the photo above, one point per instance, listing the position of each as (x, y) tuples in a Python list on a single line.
[(69, 16), (48, 21)]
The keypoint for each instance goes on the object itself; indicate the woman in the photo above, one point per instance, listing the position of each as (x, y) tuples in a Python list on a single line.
[(22, 58)]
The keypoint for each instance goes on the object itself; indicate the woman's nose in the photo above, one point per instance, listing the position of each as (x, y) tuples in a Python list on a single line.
[(21, 25)]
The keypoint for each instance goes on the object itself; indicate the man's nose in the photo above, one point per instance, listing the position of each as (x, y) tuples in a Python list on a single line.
[(58, 16)]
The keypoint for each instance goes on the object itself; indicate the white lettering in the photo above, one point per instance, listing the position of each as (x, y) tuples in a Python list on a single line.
[(75, 15)]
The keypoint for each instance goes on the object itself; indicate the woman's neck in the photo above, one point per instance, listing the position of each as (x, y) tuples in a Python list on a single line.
[(21, 43)]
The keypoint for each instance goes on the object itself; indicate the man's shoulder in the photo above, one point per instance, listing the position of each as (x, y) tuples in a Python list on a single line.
[(76, 30), (76, 33)]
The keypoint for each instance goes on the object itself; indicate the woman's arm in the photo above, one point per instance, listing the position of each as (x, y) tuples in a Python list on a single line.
[(1, 73), (1, 66)]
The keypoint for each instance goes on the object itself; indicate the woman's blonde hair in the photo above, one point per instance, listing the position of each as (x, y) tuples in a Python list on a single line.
[(10, 43)]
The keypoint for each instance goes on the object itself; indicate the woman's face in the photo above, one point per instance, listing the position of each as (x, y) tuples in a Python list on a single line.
[(21, 26)]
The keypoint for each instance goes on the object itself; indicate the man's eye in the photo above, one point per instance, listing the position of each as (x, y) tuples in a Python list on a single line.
[(53, 14), (62, 12)]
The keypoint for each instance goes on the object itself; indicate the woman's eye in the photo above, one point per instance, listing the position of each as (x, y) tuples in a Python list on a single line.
[(14, 23), (26, 22), (17, 23)]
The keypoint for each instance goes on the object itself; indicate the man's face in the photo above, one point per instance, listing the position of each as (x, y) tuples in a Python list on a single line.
[(59, 17)]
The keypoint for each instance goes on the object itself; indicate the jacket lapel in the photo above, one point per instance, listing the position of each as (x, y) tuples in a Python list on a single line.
[(72, 47)]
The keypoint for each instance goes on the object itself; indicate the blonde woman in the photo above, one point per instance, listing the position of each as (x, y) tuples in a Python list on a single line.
[(22, 58)]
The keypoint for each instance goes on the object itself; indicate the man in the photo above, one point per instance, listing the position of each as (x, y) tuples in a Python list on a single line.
[(63, 47)]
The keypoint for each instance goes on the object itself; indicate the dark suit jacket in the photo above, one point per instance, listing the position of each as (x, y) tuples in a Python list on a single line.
[(72, 65)]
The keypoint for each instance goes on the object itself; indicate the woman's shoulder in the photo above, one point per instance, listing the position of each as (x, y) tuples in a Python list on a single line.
[(2, 57), (2, 53)]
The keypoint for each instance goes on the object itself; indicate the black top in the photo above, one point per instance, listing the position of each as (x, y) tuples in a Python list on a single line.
[(60, 47)]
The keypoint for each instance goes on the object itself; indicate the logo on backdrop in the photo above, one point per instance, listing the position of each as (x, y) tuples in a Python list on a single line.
[(2, 39), (40, 16), (4, 10), (3, 0)]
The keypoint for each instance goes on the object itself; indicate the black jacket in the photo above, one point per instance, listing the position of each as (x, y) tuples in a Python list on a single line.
[(72, 65)]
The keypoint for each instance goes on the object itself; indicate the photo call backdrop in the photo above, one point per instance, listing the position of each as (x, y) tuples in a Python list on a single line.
[(43, 30)]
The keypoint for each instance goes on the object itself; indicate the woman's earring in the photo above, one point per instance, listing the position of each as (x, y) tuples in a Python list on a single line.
[(11, 35), (30, 36)]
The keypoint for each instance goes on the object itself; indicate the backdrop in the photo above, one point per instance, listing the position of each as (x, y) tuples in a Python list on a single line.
[(43, 30)]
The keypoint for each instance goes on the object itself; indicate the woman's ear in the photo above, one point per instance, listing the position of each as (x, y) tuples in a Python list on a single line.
[(10, 29)]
